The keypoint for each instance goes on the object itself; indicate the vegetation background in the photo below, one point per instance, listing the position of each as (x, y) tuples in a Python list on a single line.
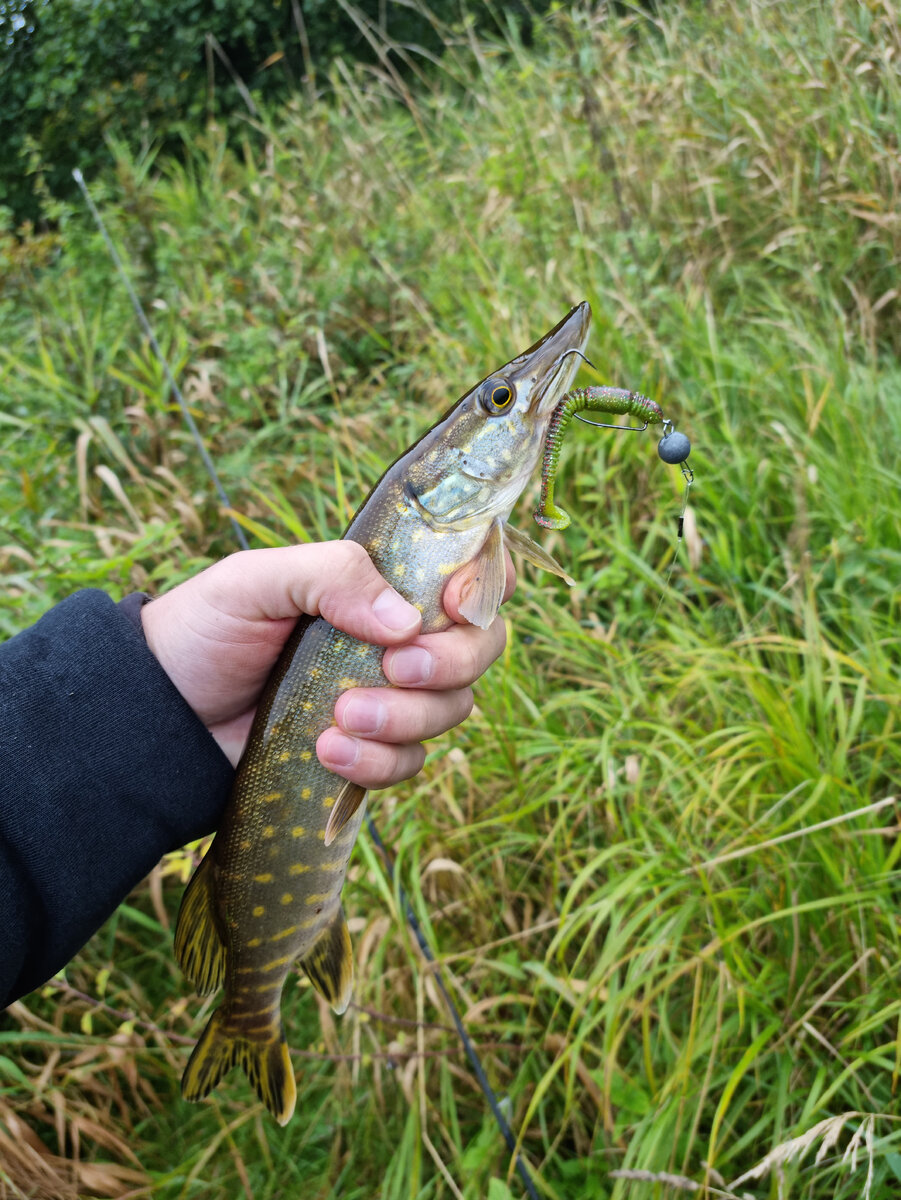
[(660, 864)]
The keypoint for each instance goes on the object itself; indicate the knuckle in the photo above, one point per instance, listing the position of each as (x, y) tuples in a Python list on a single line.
[(475, 666), (398, 763), (350, 557), (466, 703)]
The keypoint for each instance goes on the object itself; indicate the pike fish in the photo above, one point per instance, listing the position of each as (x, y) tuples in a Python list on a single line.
[(267, 896)]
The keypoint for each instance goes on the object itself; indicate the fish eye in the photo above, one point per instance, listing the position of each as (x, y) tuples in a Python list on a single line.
[(497, 395)]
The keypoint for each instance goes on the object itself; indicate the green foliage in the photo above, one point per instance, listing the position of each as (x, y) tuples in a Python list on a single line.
[(74, 75), (660, 862)]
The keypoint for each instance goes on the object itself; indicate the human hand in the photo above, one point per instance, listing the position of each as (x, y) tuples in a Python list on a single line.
[(218, 636)]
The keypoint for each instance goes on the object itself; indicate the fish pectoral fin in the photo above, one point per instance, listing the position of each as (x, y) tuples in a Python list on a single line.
[(346, 804), (520, 543), (199, 948), (264, 1059), (483, 579), (330, 964)]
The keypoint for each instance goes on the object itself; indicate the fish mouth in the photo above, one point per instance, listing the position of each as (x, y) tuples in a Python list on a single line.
[(547, 369)]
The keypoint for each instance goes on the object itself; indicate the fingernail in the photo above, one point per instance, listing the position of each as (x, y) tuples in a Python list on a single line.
[(394, 611), (363, 714), (410, 665), (342, 751)]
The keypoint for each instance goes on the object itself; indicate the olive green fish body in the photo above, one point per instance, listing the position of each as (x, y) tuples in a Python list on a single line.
[(267, 895)]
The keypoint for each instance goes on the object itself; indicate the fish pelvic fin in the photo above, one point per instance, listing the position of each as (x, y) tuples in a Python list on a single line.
[(330, 964), (483, 579), (199, 948), (265, 1060), (346, 804), (520, 543)]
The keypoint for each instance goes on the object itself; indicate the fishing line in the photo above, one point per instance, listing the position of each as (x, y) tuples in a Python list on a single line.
[(475, 1062), (471, 1053), (674, 448)]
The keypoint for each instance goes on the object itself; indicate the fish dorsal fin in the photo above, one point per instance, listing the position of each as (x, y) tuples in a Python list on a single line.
[(330, 964), (483, 580), (198, 944), (521, 543), (346, 804)]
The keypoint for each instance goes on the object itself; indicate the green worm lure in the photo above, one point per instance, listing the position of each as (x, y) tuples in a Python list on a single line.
[(597, 399)]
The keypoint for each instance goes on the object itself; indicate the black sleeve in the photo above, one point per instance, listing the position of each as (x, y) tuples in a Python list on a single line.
[(103, 768)]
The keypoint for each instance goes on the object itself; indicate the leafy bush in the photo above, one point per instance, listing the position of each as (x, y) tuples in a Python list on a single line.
[(73, 73)]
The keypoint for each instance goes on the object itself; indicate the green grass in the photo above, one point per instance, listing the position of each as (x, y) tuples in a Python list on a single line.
[(662, 979)]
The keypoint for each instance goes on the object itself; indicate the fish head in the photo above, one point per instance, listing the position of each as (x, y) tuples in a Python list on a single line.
[(473, 465)]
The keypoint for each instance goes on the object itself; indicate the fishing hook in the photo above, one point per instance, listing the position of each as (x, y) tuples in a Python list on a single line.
[(604, 425), (573, 350), (599, 424)]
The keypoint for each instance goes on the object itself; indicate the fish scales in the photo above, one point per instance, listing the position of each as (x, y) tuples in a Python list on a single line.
[(267, 896)]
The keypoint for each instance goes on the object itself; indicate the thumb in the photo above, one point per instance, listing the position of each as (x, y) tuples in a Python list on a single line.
[(336, 580), (351, 594)]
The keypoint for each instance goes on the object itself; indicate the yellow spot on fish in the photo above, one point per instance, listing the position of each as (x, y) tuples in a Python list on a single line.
[(277, 962), (347, 682), (307, 706), (338, 645), (277, 937), (328, 801), (315, 672), (337, 864), (308, 923), (269, 831), (287, 897), (284, 756), (253, 943), (298, 831), (317, 898), (298, 868), (400, 508), (267, 987), (362, 651), (306, 755), (446, 568), (245, 843), (269, 797), (258, 910), (266, 877), (399, 570), (305, 794)]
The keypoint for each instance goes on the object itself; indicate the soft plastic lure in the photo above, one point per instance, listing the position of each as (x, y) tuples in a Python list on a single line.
[(597, 399)]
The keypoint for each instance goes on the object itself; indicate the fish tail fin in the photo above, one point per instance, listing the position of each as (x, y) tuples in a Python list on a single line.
[(199, 948), (330, 964), (265, 1060)]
